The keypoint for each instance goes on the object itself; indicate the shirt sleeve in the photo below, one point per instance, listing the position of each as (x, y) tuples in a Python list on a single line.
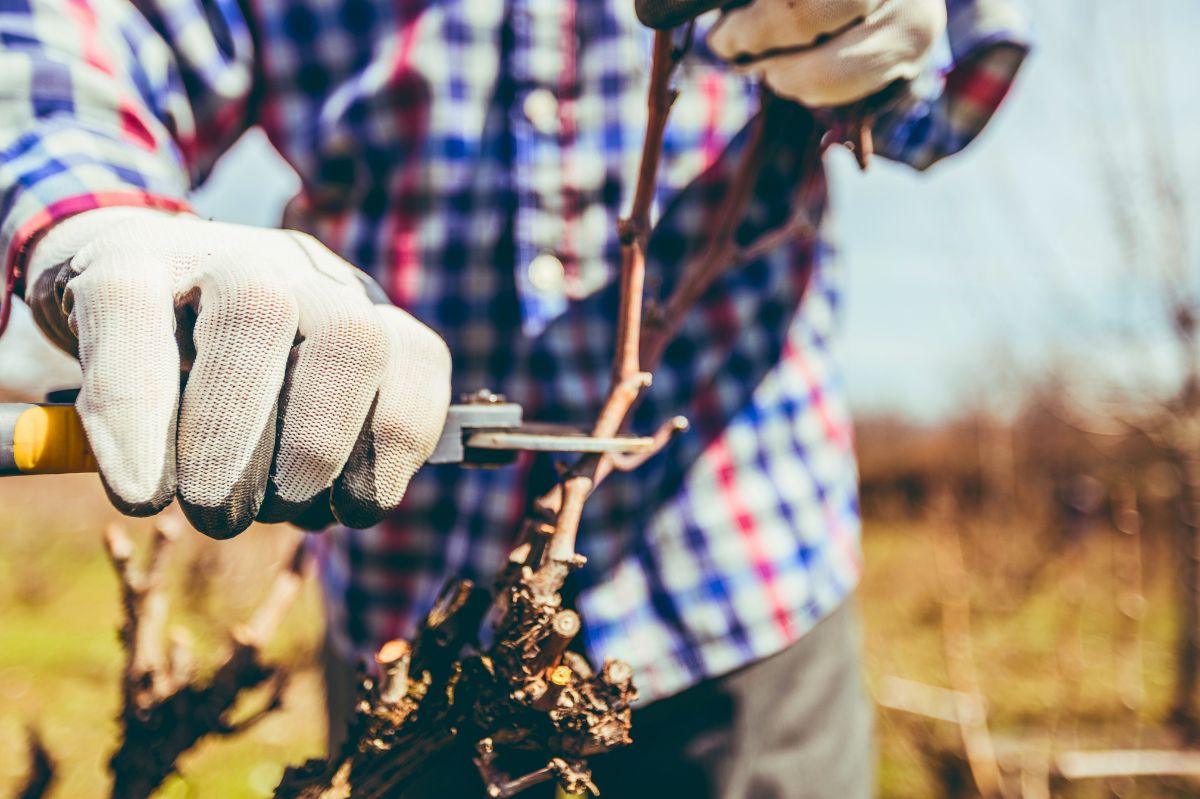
[(112, 102), (988, 41)]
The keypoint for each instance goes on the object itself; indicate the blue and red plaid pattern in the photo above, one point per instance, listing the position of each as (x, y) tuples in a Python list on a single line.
[(444, 145)]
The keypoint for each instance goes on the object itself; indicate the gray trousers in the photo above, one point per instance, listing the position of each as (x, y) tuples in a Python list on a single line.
[(796, 725)]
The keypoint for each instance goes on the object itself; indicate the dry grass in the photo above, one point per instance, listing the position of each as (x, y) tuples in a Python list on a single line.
[(1040, 666), (60, 661), (59, 658)]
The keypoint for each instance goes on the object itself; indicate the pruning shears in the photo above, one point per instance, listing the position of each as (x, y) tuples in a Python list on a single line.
[(482, 431)]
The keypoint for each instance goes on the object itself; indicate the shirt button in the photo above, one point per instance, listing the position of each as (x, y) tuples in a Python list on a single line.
[(541, 109), (546, 274)]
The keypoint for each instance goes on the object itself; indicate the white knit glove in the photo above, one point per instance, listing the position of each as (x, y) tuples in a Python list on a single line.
[(827, 53), (298, 390)]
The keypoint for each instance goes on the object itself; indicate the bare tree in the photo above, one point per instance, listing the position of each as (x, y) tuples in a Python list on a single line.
[(1132, 331), (945, 525), (1154, 242)]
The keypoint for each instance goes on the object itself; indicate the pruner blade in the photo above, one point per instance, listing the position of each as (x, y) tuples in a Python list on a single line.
[(491, 433)]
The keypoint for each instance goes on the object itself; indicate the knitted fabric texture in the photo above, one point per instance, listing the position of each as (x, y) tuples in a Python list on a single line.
[(830, 52)]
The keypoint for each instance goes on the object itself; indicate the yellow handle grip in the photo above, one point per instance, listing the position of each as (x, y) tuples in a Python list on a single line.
[(45, 439)]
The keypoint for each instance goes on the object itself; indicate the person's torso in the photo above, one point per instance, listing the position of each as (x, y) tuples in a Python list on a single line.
[(476, 156)]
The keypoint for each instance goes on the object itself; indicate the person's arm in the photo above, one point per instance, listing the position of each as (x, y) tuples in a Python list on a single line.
[(112, 103), (304, 401), (988, 40), (836, 56)]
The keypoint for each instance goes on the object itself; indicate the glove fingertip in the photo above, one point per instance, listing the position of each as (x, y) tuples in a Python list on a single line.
[(154, 504), (376, 476), (663, 14), (220, 522), (276, 509), (352, 510), (131, 481), (356, 498), (240, 506)]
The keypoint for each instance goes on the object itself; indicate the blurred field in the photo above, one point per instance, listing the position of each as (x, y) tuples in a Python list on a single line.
[(60, 661), (1045, 627), (1047, 660)]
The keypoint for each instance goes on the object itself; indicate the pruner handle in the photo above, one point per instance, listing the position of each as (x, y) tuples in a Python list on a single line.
[(662, 14), (43, 439)]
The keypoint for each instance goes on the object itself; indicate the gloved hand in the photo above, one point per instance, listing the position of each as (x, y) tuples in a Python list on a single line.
[(298, 392), (828, 53)]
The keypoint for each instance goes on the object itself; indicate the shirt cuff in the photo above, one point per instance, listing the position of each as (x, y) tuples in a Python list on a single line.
[(974, 25), (951, 108), (58, 170), (22, 239)]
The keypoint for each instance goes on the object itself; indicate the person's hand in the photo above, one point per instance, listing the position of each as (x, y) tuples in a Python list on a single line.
[(828, 53), (298, 394)]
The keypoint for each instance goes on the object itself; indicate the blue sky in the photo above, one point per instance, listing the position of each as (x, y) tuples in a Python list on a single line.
[(1002, 261)]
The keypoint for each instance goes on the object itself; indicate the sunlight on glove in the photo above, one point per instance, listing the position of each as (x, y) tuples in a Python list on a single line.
[(300, 395), (826, 53)]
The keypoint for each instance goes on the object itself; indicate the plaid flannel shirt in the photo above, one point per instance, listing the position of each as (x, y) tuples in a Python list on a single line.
[(474, 156)]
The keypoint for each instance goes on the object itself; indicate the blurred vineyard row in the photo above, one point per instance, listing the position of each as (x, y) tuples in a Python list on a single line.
[(1029, 602)]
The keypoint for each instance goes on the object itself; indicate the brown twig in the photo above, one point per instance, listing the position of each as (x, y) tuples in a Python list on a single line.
[(1131, 604), (653, 331), (41, 770), (717, 255), (145, 608), (627, 462), (165, 710), (281, 595), (959, 651), (564, 503), (799, 228)]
